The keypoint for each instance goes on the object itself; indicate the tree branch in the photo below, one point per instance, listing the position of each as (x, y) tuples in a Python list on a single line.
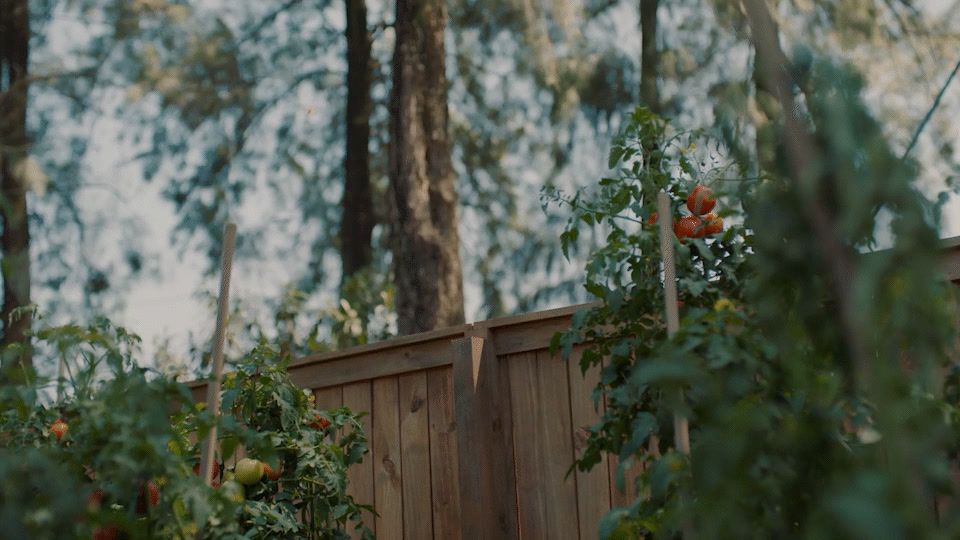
[(926, 118), (801, 152)]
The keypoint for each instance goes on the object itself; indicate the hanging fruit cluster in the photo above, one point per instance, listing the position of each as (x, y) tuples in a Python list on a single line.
[(702, 222)]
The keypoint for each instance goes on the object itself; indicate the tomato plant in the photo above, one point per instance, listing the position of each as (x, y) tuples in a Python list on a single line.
[(819, 376), (115, 455)]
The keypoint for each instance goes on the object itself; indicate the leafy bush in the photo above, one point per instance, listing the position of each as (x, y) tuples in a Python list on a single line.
[(125, 467), (821, 404)]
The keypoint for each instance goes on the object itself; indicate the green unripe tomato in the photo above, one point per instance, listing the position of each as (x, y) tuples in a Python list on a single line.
[(233, 491), (248, 471)]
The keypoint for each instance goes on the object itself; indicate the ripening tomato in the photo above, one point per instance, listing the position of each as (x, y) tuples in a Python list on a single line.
[(689, 227), (59, 429), (106, 533), (714, 223), (270, 472), (319, 422), (149, 494), (701, 200)]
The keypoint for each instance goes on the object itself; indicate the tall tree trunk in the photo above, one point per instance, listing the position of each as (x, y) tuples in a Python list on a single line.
[(15, 239), (357, 221), (426, 255), (649, 55), (769, 113)]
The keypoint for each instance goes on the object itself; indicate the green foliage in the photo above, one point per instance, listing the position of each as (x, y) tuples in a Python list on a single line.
[(364, 313), (131, 431), (815, 410)]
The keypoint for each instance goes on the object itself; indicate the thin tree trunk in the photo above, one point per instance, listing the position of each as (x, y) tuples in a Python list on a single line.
[(15, 239), (426, 256), (767, 103), (358, 219), (649, 55)]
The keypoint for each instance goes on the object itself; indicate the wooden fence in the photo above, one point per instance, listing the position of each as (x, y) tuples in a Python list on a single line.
[(472, 429)]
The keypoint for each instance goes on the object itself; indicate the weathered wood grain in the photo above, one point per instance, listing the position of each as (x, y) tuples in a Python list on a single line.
[(357, 397), (593, 487), (444, 473), (540, 402), (484, 441), (415, 455), (387, 464)]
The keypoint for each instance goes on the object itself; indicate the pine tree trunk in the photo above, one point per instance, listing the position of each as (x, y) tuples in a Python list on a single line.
[(358, 219), (15, 239), (426, 256), (649, 56), (768, 119)]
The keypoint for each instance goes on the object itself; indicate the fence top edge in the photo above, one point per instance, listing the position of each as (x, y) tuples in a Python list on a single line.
[(432, 335), (399, 341), (950, 247), (952, 243), (535, 316)]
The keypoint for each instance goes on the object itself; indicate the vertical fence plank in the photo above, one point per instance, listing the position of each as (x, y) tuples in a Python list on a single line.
[(415, 455), (357, 397), (541, 412), (329, 398), (593, 487), (387, 472), (523, 400), (484, 439), (443, 456)]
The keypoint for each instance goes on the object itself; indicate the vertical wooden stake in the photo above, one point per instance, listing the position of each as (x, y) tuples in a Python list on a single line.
[(213, 386), (681, 427)]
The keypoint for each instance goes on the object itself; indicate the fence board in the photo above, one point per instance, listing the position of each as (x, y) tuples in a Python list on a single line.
[(593, 487), (443, 455), (544, 451), (329, 398), (383, 362), (415, 455), (357, 397), (484, 440), (387, 464)]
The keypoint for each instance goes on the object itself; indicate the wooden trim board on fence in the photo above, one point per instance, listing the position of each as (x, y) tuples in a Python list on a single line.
[(515, 333)]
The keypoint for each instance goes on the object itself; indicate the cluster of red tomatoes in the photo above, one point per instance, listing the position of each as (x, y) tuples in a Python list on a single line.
[(702, 222)]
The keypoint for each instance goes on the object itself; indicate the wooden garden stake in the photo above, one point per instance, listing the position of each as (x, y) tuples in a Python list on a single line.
[(213, 386), (681, 428)]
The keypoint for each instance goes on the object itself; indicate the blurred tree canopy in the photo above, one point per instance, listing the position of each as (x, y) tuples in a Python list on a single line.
[(236, 110)]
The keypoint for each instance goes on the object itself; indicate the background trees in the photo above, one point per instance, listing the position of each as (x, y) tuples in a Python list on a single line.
[(426, 247), (257, 113), (15, 236)]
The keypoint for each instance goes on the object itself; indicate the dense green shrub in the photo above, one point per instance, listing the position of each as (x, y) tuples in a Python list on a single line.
[(816, 410)]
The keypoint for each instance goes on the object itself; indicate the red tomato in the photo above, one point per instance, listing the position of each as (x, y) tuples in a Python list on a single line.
[(689, 227), (105, 533), (59, 428), (152, 496), (270, 472), (701, 200), (714, 223)]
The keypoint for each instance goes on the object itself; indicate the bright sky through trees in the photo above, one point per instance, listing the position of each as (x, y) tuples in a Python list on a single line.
[(165, 302)]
